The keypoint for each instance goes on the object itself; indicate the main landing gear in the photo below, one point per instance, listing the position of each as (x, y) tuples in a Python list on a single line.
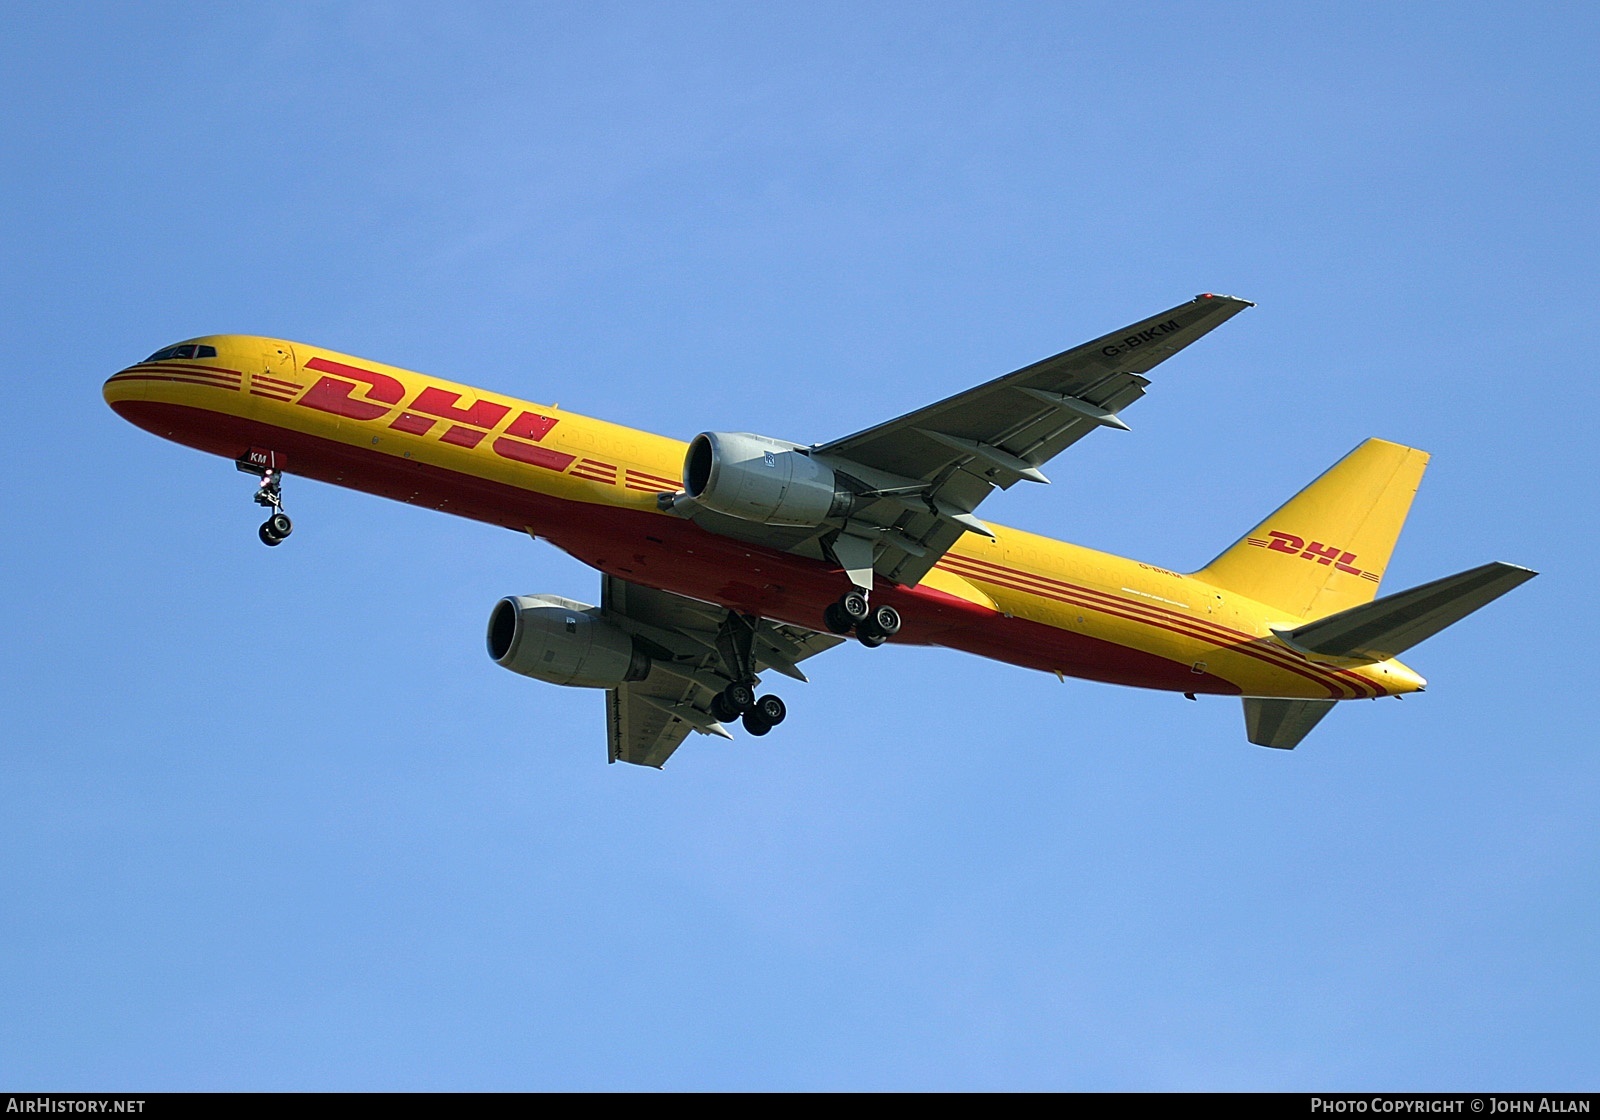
[(738, 701), (277, 526), (759, 714), (873, 625)]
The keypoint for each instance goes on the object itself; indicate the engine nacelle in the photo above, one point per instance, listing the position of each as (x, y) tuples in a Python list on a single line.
[(563, 642), (763, 480)]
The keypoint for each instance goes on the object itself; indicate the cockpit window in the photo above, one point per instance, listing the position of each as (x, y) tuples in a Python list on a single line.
[(187, 350)]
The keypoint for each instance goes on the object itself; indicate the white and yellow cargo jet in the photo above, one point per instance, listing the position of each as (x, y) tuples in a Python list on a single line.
[(741, 553)]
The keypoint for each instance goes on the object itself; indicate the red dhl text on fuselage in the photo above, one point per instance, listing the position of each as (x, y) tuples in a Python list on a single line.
[(398, 414)]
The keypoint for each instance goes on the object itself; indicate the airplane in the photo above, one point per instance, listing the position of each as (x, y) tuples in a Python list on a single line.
[(740, 553)]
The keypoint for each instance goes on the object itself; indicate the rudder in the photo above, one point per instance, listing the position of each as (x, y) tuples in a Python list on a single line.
[(1325, 549)]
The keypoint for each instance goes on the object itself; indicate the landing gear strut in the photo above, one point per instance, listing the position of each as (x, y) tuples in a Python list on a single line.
[(873, 626), (277, 526), (738, 701), (264, 466)]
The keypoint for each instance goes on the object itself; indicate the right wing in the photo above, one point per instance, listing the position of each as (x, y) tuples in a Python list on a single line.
[(915, 481), (956, 452), (1040, 410), (647, 720)]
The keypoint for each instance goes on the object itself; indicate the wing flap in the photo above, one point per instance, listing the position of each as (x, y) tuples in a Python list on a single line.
[(647, 720), (639, 731), (1104, 374)]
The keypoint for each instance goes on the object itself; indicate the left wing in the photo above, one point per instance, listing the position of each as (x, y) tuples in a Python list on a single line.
[(691, 647)]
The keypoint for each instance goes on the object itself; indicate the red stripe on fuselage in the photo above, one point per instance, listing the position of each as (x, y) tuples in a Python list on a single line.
[(1251, 645), (1118, 609), (183, 366), (191, 371), (1223, 636), (180, 379)]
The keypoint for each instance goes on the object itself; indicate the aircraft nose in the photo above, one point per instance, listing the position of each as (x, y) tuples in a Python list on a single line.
[(120, 389), (187, 363)]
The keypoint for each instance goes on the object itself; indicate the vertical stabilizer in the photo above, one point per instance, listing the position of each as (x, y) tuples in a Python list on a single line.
[(1326, 548)]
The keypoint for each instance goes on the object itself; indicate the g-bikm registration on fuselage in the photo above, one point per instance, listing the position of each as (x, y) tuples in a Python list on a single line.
[(739, 554)]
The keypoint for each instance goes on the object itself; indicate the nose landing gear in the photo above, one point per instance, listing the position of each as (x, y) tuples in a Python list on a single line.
[(274, 529), (277, 526), (264, 465)]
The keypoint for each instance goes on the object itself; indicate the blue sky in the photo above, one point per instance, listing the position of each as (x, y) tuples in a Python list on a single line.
[(272, 820)]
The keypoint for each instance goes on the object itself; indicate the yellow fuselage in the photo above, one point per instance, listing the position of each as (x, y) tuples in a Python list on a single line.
[(590, 487)]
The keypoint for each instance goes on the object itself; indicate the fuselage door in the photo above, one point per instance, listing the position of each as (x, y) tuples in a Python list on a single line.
[(280, 361)]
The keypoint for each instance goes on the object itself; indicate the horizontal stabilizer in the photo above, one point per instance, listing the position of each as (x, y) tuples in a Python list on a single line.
[(1282, 723), (1389, 626)]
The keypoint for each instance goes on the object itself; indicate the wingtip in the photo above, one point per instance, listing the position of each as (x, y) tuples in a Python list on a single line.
[(1219, 295)]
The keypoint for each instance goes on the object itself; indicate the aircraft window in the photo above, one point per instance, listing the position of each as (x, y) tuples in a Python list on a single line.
[(187, 350)]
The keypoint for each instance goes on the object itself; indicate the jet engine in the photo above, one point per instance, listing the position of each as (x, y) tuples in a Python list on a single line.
[(563, 642), (763, 480)]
